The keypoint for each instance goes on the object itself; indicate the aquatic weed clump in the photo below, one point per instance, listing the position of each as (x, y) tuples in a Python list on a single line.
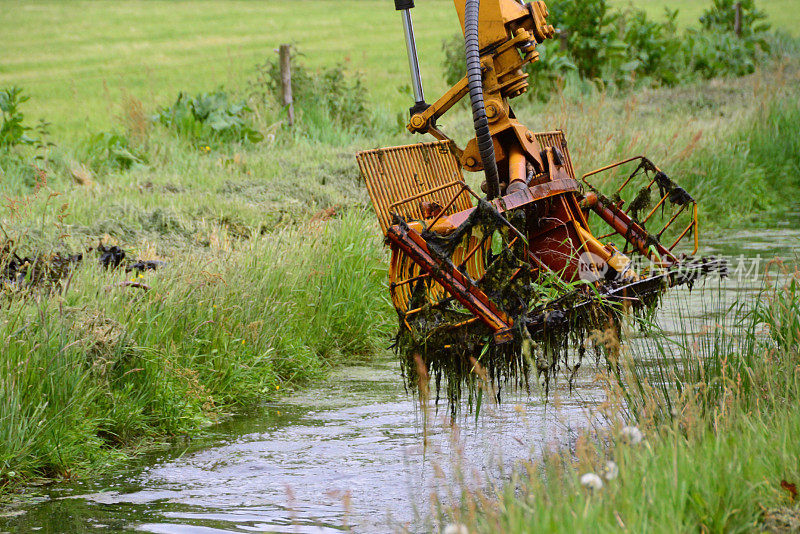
[(551, 317), (541, 346)]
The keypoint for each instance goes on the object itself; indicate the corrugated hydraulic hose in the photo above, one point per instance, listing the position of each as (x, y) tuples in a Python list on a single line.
[(485, 143)]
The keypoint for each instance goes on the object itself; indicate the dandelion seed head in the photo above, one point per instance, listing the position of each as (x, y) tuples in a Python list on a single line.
[(592, 482), (632, 435), (610, 470), (455, 528)]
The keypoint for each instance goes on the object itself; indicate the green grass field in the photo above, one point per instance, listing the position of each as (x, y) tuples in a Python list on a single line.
[(76, 58), (784, 15), (154, 49)]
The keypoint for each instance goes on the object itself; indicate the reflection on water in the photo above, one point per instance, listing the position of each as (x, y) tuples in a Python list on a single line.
[(347, 453)]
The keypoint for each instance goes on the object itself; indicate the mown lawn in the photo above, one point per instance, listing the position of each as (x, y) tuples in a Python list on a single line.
[(76, 58), (784, 15)]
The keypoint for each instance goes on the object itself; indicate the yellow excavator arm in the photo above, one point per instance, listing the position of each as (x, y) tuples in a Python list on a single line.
[(500, 19), (508, 34), (505, 33), (467, 269)]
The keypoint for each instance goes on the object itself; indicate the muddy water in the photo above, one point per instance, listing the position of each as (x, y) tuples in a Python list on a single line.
[(347, 454)]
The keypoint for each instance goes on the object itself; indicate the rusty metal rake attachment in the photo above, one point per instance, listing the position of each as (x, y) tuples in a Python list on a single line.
[(670, 194), (474, 281)]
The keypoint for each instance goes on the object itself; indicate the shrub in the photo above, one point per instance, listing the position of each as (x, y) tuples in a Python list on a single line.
[(713, 54), (653, 48), (550, 72), (721, 17), (716, 50), (209, 117), (12, 131), (108, 150), (23, 158), (455, 60), (326, 98), (591, 33), (619, 47)]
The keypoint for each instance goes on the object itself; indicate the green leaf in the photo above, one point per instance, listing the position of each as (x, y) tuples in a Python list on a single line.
[(630, 66), (478, 403)]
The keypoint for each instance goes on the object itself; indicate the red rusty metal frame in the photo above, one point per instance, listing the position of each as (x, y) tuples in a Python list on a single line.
[(632, 232), (615, 216), (521, 198), (506, 203), (613, 165), (460, 286)]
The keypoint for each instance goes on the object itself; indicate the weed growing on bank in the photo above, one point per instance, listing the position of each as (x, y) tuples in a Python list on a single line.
[(209, 118)]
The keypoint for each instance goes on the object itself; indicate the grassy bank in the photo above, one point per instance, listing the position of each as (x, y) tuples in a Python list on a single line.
[(273, 266), (105, 363), (717, 411)]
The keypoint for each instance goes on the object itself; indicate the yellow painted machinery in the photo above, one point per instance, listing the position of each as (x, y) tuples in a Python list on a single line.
[(505, 280)]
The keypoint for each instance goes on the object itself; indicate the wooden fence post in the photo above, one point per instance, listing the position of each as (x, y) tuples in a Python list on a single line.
[(286, 79), (737, 21), (563, 40)]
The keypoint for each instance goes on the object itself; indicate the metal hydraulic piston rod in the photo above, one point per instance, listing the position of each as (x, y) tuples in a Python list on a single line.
[(405, 6)]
